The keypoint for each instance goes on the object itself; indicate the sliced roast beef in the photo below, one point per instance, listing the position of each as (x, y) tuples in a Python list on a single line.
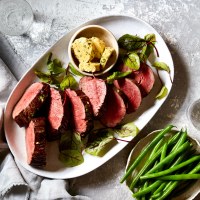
[(31, 101), (81, 111), (114, 109), (144, 78), (132, 93), (58, 115), (96, 90), (36, 142)]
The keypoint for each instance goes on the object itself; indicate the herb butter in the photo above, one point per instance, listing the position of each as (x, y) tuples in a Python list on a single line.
[(91, 53)]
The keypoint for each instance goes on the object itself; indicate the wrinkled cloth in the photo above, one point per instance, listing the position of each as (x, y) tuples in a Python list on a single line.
[(7, 82), (16, 183)]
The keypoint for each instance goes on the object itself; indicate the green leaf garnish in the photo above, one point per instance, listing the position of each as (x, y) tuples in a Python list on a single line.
[(163, 93), (54, 68), (68, 82), (74, 71), (49, 58), (71, 157), (131, 42), (100, 142), (150, 38), (132, 60), (44, 77), (70, 147), (161, 66), (129, 129), (117, 75)]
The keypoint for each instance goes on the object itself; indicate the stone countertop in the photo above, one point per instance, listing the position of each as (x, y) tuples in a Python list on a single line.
[(178, 24)]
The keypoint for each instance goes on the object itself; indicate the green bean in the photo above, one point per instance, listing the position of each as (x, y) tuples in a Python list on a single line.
[(145, 151), (196, 169), (178, 177), (164, 152), (147, 190), (170, 157), (172, 169), (173, 184), (145, 168), (160, 188), (182, 139), (145, 186), (155, 149), (169, 189), (148, 164)]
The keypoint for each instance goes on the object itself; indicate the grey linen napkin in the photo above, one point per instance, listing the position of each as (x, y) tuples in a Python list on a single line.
[(16, 183)]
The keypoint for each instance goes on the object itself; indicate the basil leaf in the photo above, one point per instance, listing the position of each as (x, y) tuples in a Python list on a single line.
[(131, 42), (129, 129), (163, 93), (71, 157), (100, 142), (161, 66), (68, 82), (132, 60), (74, 71), (117, 75)]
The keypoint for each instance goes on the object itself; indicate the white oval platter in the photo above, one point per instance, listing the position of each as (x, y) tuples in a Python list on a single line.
[(118, 25)]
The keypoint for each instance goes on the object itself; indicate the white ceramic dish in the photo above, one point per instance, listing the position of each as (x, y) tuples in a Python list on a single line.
[(15, 136), (191, 192), (101, 33)]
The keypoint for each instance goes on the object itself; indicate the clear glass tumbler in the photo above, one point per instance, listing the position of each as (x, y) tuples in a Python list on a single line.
[(194, 114), (16, 17)]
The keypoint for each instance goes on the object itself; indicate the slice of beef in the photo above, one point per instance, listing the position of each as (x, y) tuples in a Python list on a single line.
[(114, 109), (31, 101), (132, 93), (58, 115), (36, 142), (81, 109), (144, 78), (96, 90)]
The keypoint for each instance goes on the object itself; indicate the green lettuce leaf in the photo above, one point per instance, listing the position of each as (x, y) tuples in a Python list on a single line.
[(126, 130), (100, 142)]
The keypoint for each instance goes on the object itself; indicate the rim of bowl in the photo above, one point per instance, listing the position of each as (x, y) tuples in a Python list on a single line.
[(71, 59)]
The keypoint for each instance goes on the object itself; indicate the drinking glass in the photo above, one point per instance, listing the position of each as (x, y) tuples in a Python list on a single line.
[(16, 17), (194, 114)]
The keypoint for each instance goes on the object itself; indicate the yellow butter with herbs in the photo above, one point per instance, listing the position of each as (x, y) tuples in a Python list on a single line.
[(91, 53), (89, 66), (83, 49), (106, 55)]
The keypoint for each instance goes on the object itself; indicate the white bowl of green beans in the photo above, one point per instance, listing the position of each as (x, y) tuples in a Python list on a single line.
[(164, 165)]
